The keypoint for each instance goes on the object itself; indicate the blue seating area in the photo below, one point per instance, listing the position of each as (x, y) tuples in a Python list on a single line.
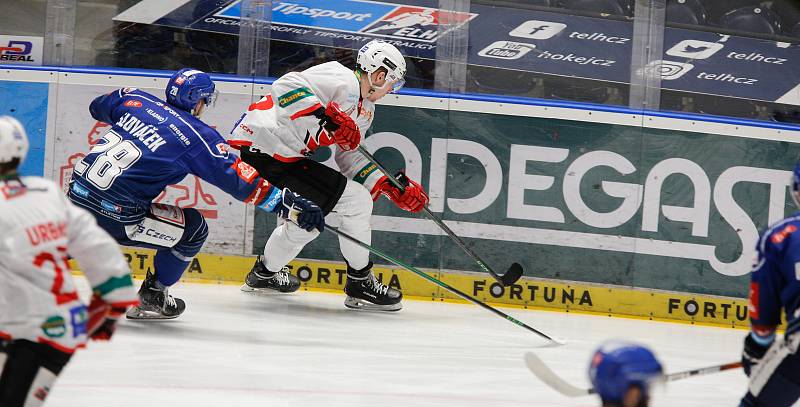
[(686, 12), (611, 7), (753, 19), (777, 17)]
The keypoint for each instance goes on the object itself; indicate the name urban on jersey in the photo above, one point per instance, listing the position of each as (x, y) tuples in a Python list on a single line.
[(146, 133)]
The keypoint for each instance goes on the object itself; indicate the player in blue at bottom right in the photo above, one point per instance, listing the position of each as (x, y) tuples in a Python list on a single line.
[(772, 363)]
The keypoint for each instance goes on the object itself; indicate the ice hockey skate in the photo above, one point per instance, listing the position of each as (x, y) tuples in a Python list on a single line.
[(262, 280), (155, 303), (365, 292)]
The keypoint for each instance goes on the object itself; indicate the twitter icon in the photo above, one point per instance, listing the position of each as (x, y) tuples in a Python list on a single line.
[(694, 49)]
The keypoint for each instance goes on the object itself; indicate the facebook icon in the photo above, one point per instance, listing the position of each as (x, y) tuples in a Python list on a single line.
[(534, 30), (537, 30)]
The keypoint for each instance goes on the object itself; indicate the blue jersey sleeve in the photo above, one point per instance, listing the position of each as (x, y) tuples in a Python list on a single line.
[(768, 278), (210, 160)]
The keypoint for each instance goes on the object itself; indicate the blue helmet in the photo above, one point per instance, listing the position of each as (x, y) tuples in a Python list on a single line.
[(189, 86), (617, 366)]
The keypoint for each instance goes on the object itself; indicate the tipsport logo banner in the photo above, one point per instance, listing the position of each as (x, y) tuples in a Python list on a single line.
[(395, 21), (20, 50)]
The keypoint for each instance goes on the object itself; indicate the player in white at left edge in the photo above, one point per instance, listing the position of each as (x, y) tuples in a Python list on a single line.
[(42, 319)]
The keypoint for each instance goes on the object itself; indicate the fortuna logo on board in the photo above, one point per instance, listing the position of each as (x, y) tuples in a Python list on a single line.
[(396, 21)]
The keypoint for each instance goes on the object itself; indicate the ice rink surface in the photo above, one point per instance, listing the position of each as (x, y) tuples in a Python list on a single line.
[(306, 349)]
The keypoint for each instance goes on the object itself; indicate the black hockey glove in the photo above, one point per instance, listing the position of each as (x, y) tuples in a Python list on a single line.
[(302, 211), (752, 354), (325, 121)]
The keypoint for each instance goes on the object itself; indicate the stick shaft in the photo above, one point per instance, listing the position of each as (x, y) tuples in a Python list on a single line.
[(434, 218), (701, 371), (439, 283), (549, 377)]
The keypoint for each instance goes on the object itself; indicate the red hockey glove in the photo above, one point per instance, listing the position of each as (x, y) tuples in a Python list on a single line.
[(345, 133), (102, 319), (413, 198)]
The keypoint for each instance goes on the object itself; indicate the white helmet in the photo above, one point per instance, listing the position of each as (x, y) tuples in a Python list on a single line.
[(13, 141), (380, 54)]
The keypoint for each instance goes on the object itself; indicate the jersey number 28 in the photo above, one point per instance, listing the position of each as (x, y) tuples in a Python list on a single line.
[(114, 157)]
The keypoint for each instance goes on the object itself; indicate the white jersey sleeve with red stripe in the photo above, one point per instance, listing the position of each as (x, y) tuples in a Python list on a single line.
[(38, 298), (283, 123)]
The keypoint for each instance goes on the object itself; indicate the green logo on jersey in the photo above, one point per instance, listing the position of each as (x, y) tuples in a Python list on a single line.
[(365, 173), (290, 97), (54, 327)]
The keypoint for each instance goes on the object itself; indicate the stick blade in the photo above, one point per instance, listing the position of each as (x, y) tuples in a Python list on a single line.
[(512, 275), (540, 369)]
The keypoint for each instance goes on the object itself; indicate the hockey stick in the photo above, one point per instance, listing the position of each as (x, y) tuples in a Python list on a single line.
[(546, 375), (439, 283), (510, 277)]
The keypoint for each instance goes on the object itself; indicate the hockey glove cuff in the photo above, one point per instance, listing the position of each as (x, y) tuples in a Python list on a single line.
[(272, 201), (302, 211), (754, 349), (344, 130), (412, 198)]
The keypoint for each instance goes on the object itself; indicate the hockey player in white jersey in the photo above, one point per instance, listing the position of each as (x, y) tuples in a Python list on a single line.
[(327, 105), (42, 319)]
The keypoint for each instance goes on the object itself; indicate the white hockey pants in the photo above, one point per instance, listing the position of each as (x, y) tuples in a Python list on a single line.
[(354, 209)]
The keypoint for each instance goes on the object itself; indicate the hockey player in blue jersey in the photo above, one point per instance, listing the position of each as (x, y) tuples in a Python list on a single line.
[(774, 364), (150, 145), (622, 372)]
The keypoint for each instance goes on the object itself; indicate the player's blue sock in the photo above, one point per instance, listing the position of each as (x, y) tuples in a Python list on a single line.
[(169, 267)]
